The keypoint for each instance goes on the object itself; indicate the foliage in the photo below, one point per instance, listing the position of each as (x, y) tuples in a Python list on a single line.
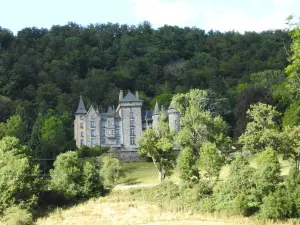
[(211, 160), (75, 178), (157, 143), (234, 195), (15, 127), (188, 169), (85, 151), (110, 170), (293, 68), (19, 182), (262, 131), (292, 145), (198, 126), (292, 114), (17, 216)]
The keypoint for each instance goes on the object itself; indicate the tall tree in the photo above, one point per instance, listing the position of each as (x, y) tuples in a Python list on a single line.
[(157, 143)]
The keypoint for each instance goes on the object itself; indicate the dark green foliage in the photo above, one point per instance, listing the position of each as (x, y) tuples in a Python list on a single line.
[(42, 69), (85, 151)]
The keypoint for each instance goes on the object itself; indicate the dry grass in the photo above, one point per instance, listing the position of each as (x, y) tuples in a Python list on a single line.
[(118, 210)]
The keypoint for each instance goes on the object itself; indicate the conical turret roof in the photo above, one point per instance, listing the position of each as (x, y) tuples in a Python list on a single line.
[(156, 109), (81, 108)]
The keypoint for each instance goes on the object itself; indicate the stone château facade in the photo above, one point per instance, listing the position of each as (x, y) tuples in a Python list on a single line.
[(121, 127)]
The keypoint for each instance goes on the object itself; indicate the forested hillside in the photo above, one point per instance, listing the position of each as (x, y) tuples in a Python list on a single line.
[(44, 69)]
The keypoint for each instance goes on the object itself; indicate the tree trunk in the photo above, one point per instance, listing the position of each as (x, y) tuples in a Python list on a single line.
[(160, 176)]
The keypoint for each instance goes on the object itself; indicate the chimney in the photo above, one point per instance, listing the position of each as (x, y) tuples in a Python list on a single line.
[(137, 94), (121, 95)]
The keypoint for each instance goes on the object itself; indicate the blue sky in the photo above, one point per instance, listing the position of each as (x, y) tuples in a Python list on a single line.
[(223, 15)]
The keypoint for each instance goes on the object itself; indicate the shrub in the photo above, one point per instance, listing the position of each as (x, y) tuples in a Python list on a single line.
[(277, 205), (74, 177), (17, 216), (86, 151), (110, 170), (234, 195)]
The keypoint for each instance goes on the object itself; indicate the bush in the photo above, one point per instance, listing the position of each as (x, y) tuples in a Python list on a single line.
[(235, 194), (74, 177), (17, 216), (96, 151), (110, 170), (277, 205)]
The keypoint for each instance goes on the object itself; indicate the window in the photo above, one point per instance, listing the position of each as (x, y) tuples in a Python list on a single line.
[(81, 117), (92, 133), (81, 142), (132, 140), (118, 141), (92, 124), (102, 139), (81, 134), (118, 132), (131, 131), (132, 123), (102, 123), (81, 125), (131, 115), (102, 132), (117, 124)]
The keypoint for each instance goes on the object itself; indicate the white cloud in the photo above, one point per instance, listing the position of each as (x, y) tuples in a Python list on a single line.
[(159, 12), (252, 15)]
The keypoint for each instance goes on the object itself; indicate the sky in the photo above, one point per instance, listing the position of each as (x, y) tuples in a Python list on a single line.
[(222, 15)]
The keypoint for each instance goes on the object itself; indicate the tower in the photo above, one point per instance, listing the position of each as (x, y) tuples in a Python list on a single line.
[(80, 124), (155, 115), (174, 118), (130, 112)]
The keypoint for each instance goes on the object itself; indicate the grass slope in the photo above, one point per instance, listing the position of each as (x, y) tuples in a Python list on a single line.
[(119, 209), (141, 172)]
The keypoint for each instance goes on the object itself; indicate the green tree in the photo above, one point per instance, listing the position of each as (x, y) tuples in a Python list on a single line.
[(157, 143), (262, 131), (19, 182), (198, 126), (211, 160), (292, 145), (16, 127), (292, 69), (292, 115)]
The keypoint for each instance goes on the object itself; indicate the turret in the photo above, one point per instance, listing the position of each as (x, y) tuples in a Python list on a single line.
[(80, 124), (155, 115), (121, 95), (174, 118)]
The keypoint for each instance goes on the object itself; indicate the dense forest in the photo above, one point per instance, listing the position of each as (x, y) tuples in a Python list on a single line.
[(43, 72)]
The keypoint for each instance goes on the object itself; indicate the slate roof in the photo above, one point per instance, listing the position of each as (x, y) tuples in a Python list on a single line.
[(130, 98), (81, 108), (110, 110), (147, 114)]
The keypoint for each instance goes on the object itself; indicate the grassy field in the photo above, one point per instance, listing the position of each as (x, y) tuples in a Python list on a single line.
[(141, 172), (119, 209)]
